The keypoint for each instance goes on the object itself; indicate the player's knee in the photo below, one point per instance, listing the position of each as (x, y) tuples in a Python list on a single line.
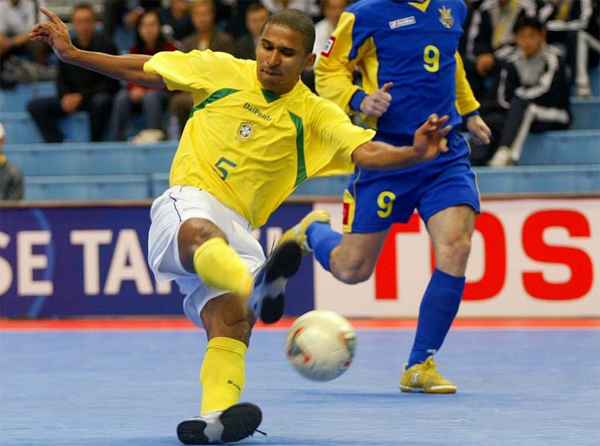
[(453, 257), (354, 272), (192, 234)]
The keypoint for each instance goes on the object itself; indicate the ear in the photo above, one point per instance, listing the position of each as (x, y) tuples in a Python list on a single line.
[(310, 61)]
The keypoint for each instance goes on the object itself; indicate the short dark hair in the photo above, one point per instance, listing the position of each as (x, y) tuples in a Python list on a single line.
[(84, 5), (527, 22), (297, 21), (254, 7)]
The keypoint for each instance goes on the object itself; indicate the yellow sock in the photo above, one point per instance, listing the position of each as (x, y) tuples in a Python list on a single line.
[(222, 375), (220, 266)]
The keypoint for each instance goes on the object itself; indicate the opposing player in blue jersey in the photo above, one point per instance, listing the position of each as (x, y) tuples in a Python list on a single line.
[(407, 53)]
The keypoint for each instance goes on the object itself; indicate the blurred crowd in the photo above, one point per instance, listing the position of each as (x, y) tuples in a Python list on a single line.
[(523, 58)]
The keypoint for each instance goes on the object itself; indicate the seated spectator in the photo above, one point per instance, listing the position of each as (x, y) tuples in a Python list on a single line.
[(206, 37), (256, 17), (151, 101), (332, 10), (533, 92), (11, 178), (310, 7), (17, 17), (177, 22), (492, 32), (124, 14), (78, 88), (572, 27)]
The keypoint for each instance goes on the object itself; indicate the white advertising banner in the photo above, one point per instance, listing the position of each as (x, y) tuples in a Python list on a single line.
[(529, 257)]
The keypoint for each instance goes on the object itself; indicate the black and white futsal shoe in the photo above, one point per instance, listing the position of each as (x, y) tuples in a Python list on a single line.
[(268, 287), (233, 424)]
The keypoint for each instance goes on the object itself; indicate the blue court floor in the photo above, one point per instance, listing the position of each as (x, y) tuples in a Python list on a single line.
[(131, 388)]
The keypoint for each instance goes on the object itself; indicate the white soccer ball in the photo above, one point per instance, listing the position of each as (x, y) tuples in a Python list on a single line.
[(320, 345)]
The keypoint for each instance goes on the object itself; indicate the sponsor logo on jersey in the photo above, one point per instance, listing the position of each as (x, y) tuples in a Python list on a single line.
[(245, 130), (446, 17), (327, 50), (406, 21), (257, 112)]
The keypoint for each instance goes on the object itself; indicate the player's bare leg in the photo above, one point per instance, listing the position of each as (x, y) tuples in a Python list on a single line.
[(353, 261)]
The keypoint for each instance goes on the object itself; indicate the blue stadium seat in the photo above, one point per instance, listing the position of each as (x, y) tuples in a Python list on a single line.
[(113, 158), (16, 99), (585, 113), (562, 147), (20, 128), (95, 187), (507, 180)]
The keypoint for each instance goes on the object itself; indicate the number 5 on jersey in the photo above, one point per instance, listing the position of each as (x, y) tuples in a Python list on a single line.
[(223, 169)]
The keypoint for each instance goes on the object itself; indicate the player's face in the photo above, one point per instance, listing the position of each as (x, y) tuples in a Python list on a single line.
[(281, 58)]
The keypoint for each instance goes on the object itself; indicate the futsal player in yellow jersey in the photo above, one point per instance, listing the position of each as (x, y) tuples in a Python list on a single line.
[(254, 134)]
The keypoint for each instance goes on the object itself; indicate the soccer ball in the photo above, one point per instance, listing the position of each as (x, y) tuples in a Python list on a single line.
[(320, 345)]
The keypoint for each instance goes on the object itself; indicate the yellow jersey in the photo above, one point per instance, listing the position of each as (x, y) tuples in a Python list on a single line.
[(247, 146)]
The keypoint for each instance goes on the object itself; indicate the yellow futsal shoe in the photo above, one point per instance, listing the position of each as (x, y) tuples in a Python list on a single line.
[(298, 233), (424, 377)]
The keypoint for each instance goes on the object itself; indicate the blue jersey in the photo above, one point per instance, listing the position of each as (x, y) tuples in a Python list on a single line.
[(412, 44)]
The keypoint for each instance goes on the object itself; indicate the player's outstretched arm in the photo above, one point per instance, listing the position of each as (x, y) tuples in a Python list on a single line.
[(127, 67), (429, 141)]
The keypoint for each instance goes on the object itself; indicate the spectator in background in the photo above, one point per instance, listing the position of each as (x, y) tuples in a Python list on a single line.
[(206, 37), (310, 7), (17, 17), (256, 17), (125, 13), (151, 101), (332, 10), (78, 89), (534, 92), (570, 25), (177, 22), (11, 178), (492, 37)]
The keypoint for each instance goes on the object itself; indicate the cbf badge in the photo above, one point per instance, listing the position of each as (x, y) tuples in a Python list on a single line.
[(446, 17), (245, 131)]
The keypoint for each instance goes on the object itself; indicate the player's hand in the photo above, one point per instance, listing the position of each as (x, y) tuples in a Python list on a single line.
[(430, 138), (376, 104), (479, 130), (55, 33)]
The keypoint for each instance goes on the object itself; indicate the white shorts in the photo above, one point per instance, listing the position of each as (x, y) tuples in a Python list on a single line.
[(168, 212)]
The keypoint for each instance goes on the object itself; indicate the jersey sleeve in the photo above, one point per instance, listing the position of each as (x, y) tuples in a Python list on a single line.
[(333, 73), (465, 99), (196, 70), (333, 140)]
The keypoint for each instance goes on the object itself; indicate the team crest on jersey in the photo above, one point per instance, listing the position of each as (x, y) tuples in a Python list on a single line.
[(327, 50), (245, 131), (446, 17)]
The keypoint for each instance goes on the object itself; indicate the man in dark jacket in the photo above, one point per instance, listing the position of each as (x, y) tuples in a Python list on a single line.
[(78, 89), (533, 91)]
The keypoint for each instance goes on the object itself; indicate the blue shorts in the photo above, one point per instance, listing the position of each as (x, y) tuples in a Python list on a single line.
[(375, 200)]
